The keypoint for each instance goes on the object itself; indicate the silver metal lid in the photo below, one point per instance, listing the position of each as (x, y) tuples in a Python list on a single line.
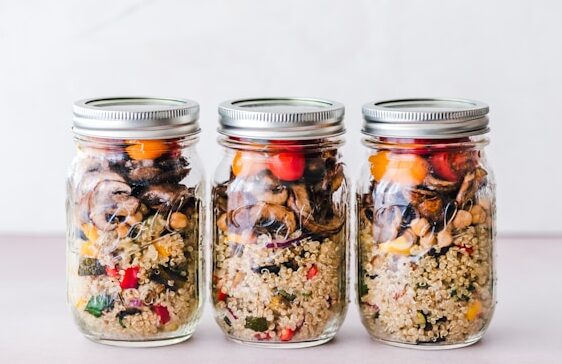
[(281, 118), (432, 118), (136, 117)]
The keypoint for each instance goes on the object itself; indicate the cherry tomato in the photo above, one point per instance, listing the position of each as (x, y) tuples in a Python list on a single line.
[(409, 169), (286, 334), (452, 164), (312, 272), (287, 166), (247, 163), (130, 279), (112, 272), (162, 313), (221, 296), (146, 149)]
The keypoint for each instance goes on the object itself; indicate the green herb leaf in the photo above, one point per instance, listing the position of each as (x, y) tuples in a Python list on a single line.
[(286, 295), (97, 304), (258, 324), (90, 267)]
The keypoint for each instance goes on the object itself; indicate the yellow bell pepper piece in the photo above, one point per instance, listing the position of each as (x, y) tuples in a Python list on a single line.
[(162, 250), (89, 249), (474, 310), (90, 231), (400, 245), (81, 303)]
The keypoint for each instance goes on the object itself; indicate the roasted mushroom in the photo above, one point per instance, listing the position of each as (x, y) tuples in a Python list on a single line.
[(299, 202), (164, 197), (471, 183), (110, 202), (275, 218)]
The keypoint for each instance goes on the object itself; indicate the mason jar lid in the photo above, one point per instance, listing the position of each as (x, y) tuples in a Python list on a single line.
[(431, 118), (281, 118), (135, 117)]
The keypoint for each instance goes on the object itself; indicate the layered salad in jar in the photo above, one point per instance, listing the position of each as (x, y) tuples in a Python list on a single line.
[(280, 245), (134, 264), (425, 242)]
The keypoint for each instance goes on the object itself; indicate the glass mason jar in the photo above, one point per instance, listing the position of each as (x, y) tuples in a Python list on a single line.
[(280, 222), (426, 223), (135, 221)]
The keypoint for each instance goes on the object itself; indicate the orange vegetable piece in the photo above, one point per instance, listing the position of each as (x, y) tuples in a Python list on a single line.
[(146, 149), (248, 163), (473, 310), (409, 169)]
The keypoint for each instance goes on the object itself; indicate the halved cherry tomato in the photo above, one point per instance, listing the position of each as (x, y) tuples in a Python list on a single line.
[(130, 279), (146, 149), (409, 169), (248, 163), (221, 296), (451, 164), (112, 272), (312, 272), (286, 334), (162, 313), (287, 166)]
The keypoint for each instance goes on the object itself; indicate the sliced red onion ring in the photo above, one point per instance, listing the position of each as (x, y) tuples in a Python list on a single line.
[(285, 243)]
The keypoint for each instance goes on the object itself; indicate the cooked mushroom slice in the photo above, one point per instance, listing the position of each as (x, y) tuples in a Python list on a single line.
[(110, 202), (85, 188), (437, 184), (172, 170), (470, 185), (141, 171), (334, 178), (273, 191), (300, 204), (165, 196), (263, 215), (387, 222), (428, 203)]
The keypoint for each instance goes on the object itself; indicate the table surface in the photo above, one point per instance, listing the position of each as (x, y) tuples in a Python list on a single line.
[(527, 326)]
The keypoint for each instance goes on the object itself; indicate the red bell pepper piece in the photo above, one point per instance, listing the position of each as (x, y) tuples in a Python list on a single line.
[(313, 271), (221, 296), (162, 312), (130, 279), (112, 272), (286, 334)]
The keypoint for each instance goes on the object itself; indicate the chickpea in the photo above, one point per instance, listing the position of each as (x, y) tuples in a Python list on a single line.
[(178, 221), (428, 240), (122, 230), (420, 226), (444, 238), (462, 220), (478, 215), (133, 219)]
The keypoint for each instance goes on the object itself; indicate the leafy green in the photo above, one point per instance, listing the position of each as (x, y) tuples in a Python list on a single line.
[(363, 289), (90, 267), (286, 295), (97, 304), (256, 323)]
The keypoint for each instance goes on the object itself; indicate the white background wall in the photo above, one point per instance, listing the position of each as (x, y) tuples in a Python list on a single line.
[(506, 53)]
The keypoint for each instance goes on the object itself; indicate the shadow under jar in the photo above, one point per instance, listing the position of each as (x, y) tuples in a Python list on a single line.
[(426, 223), (280, 222), (135, 221)]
